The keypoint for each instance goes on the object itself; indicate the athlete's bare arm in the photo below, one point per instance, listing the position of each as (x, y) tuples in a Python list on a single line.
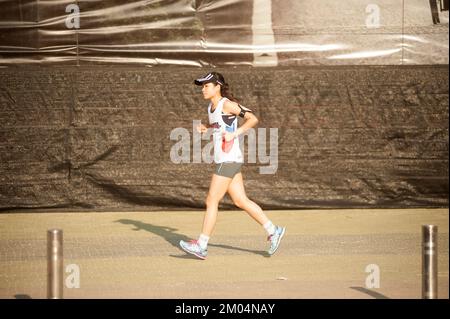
[(250, 119), (202, 128)]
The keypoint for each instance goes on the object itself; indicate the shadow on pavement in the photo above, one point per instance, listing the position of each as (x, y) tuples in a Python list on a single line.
[(258, 252), (22, 296), (371, 293), (170, 235)]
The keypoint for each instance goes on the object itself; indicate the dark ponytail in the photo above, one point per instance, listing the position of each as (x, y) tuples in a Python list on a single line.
[(225, 92), (225, 88)]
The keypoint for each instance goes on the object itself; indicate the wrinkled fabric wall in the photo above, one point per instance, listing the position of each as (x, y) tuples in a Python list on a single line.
[(99, 138), (224, 32), (357, 89)]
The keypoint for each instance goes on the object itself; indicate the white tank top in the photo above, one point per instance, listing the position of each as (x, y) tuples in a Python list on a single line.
[(220, 122)]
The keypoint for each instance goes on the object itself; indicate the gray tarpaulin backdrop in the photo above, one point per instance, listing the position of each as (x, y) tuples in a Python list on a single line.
[(224, 32), (90, 92)]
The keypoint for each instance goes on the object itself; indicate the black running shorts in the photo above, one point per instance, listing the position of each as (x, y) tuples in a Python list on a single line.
[(228, 169)]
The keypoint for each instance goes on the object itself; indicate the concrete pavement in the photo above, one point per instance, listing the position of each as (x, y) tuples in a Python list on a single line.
[(135, 254)]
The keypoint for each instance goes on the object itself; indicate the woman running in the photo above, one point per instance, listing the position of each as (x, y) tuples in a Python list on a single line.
[(223, 112)]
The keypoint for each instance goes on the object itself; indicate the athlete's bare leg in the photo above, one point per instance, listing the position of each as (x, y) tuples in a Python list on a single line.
[(237, 193), (217, 189)]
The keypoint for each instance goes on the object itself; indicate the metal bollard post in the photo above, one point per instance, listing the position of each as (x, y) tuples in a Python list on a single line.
[(429, 262), (54, 264)]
